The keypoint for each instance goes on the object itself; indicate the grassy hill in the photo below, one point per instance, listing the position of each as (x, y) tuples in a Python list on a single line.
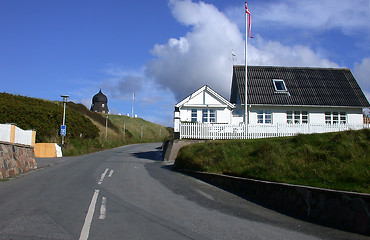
[(86, 130), (45, 117), (332, 160)]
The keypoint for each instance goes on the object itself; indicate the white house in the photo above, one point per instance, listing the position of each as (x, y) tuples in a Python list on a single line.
[(282, 101)]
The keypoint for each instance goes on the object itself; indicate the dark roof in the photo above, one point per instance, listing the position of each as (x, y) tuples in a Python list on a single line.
[(100, 97), (305, 86)]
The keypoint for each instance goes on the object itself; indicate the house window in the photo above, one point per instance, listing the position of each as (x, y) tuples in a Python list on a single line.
[(212, 115), (335, 118), (289, 117), (208, 115), (194, 117), (264, 116), (328, 118), (279, 85), (102, 105), (304, 117), (343, 118), (297, 117), (205, 115)]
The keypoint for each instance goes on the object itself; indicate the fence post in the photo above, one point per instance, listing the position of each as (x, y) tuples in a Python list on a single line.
[(213, 131)]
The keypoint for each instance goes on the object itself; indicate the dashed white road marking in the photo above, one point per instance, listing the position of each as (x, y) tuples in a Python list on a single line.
[(110, 173), (90, 213), (103, 176), (103, 208)]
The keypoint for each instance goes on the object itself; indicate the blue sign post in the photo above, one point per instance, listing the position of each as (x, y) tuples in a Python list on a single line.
[(63, 130)]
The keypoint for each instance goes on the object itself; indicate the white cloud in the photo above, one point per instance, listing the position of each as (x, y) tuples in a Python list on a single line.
[(203, 55), (361, 72), (263, 52), (120, 83), (149, 96), (314, 14)]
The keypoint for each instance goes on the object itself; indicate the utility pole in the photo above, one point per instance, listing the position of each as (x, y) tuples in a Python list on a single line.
[(106, 127), (124, 129), (63, 129)]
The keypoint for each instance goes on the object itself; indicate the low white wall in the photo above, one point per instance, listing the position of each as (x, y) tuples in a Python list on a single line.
[(58, 150), (23, 136), (13, 134), (5, 132)]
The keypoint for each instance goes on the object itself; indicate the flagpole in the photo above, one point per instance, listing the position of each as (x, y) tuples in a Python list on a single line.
[(246, 74)]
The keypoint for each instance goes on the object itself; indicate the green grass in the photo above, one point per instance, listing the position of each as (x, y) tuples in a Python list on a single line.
[(333, 160), (151, 132), (85, 129), (115, 138)]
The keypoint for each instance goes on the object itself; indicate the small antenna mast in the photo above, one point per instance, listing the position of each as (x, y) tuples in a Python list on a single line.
[(233, 56)]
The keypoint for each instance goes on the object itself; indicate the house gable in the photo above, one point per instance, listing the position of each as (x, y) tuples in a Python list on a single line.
[(205, 97), (305, 87)]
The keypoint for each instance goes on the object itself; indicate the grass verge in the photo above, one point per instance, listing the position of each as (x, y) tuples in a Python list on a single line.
[(332, 160)]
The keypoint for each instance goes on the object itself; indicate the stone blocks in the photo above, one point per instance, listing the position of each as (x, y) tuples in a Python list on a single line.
[(15, 159)]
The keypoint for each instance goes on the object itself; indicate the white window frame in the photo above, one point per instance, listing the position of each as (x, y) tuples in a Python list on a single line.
[(297, 117), (194, 115), (335, 117), (209, 115), (264, 117), (278, 81)]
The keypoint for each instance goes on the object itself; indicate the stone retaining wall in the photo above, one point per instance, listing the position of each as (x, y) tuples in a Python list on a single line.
[(15, 159), (343, 210)]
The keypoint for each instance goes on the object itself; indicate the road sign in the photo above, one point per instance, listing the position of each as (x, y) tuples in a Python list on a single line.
[(63, 130)]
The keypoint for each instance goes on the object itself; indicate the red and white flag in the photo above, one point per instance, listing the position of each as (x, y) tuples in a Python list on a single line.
[(249, 20)]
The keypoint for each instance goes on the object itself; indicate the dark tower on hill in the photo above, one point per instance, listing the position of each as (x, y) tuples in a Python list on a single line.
[(99, 103)]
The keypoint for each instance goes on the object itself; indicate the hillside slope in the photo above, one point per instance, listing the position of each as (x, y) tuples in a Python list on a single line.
[(45, 117), (330, 160), (86, 130)]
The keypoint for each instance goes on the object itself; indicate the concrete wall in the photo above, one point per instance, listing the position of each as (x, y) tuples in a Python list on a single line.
[(15, 159), (47, 150), (171, 148), (343, 210)]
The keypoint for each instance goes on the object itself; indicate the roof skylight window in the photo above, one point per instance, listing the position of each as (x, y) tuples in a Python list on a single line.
[(279, 85)]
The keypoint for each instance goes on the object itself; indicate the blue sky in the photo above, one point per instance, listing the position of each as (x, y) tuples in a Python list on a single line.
[(165, 50)]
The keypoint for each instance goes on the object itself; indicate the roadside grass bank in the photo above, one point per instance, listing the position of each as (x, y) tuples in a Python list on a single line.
[(120, 131), (339, 161)]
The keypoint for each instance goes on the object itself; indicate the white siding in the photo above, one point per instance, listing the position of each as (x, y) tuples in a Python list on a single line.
[(355, 118), (223, 116), (278, 116), (315, 115)]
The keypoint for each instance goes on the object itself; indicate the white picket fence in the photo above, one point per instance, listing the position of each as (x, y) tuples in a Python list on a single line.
[(227, 131)]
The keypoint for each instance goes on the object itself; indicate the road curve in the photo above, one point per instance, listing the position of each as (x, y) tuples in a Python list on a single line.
[(129, 193)]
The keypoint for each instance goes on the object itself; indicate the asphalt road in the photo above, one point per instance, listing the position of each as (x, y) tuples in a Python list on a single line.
[(129, 193)]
